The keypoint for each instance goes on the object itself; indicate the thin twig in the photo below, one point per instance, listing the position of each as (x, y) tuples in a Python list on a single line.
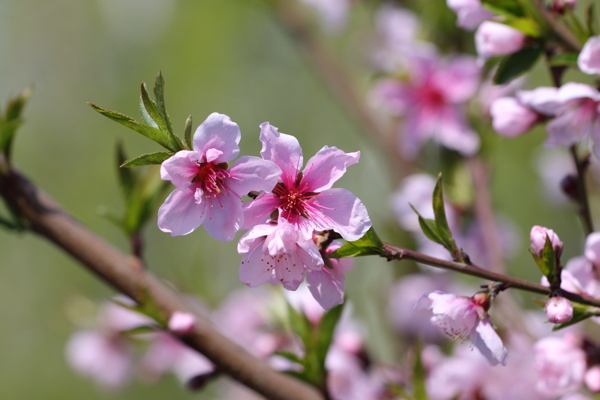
[(124, 273), (582, 197), (558, 28), (399, 253)]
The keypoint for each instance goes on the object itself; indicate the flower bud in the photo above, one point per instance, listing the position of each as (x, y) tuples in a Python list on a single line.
[(592, 379), (538, 240), (559, 310), (569, 186), (496, 39), (589, 58), (482, 299), (511, 118), (181, 323)]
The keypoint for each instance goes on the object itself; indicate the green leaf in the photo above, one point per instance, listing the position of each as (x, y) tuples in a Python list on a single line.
[(326, 330), (430, 229), (290, 356), (146, 306), (580, 313), (139, 330), (150, 132), (300, 325), (590, 19), (9, 225), (574, 24), (368, 245), (148, 159), (140, 207), (516, 64), (526, 25), (149, 112), (547, 261), (12, 120), (564, 59), (504, 7), (126, 176), (439, 210), (159, 94), (188, 133)]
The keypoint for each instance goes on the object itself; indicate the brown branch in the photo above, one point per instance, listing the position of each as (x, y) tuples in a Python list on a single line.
[(399, 253), (48, 220)]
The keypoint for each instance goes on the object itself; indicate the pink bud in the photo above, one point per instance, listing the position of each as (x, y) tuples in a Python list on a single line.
[(559, 310), (538, 240), (589, 58), (592, 248), (511, 118), (496, 39), (181, 323), (592, 379)]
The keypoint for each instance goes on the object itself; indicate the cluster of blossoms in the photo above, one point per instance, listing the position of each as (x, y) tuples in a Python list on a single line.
[(283, 219)]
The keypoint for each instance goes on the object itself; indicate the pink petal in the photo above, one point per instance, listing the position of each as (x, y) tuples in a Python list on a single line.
[(470, 13), (395, 96), (325, 168), (459, 80), (249, 241), (224, 217), (453, 132), (572, 124), (180, 169), (182, 323), (218, 133), (589, 58), (510, 118), (327, 286), (252, 174), (309, 255), (496, 39), (254, 270), (489, 343), (258, 210), (575, 91), (592, 248), (180, 214), (284, 150), (343, 212), (544, 100)]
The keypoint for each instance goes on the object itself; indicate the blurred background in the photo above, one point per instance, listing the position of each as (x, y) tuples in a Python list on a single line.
[(231, 57)]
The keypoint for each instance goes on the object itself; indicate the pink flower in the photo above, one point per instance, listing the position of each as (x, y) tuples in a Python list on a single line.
[(589, 58), (462, 317), (496, 39), (559, 310), (538, 240), (182, 323), (592, 248), (305, 199), (470, 13), (511, 118), (207, 192), (327, 284), (277, 253), (430, 102), (560, 363)]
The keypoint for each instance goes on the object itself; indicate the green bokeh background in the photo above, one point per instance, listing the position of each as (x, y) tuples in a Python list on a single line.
[(224, 56)]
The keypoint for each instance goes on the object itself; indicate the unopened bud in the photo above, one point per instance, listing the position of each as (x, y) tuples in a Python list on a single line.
[(482, 299), (538, 240), (559, 310), (569, 187), (181, 323)]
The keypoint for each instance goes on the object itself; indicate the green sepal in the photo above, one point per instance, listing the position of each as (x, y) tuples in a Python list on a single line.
[(547, 261), (514, 65), (150, 132), (368, 245), (139, 330), (580, 312), (188, 133), (147, 159)]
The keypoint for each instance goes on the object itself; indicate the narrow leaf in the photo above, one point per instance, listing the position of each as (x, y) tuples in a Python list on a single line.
[(580, 313), (138, 330), (148, 110), (419, 390), (290, 356), (564, 59), (526, 25), (126, 176), (430, 229), (300, 325), (516, 64), (147, 159), (150, 132), (370, 244), (504, 7), (188, 133), (439, 210), (326, 330), (159, 94)]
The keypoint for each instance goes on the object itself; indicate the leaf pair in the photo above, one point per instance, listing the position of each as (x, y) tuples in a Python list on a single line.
[(437, 229), (156, 125), (316, 339)]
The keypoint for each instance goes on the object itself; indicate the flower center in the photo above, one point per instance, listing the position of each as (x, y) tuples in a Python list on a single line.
[(292, 201), (211, 178)]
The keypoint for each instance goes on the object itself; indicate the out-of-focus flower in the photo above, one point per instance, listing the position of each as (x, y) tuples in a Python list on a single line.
[(560, 364), (575, 396), (430, 101), (496, 39), (327, 284), (469, 13), (305, 199), (592, 378), (461, 317), (277, 253), (592, 248), (553, 165), (538, 237), (333, 13), (589, 57), (511, 118), (559, 5), (559, 310), (207, 191), (182, 323), (489, 92)]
